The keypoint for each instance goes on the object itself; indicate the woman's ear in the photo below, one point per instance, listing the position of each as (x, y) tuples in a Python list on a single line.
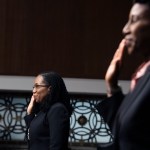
[(49, 88)]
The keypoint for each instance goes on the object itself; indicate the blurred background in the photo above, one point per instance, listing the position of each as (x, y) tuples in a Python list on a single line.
[(76, 38)]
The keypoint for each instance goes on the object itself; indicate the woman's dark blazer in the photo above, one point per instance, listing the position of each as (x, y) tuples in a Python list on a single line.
[(49, 131), (128, 117)]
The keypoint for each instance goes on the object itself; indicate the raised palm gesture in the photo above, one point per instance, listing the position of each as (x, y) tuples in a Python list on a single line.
[(112, 74)]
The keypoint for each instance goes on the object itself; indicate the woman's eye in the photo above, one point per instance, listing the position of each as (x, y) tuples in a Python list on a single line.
[(134, 19)]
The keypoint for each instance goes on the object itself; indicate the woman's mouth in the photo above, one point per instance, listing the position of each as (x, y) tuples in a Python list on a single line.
[(128, 42)]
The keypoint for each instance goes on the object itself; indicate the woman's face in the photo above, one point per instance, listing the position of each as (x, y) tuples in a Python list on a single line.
[(40, 89), (137, 29)]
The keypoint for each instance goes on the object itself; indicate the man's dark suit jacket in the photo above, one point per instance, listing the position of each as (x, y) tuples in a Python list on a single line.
[(49, 131), (128, 117)]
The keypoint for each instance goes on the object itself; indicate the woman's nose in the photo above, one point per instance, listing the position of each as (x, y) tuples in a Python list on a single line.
[(34, 90), (126, 28)]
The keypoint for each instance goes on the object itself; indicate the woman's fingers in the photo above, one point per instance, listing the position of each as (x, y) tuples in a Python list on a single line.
[(113, 71)]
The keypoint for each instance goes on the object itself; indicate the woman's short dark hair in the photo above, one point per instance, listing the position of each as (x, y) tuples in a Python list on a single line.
[(142, 1)]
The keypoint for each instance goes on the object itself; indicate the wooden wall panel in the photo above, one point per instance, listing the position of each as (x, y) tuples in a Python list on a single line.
[(76, 38)]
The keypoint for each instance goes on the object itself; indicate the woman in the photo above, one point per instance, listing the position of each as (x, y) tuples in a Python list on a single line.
[(48, 114), (127, 115)]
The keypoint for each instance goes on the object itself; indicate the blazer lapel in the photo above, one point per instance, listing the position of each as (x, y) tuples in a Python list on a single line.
[(134, 96)]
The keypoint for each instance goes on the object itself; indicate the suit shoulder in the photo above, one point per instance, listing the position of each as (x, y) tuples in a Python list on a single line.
[(58, 106)]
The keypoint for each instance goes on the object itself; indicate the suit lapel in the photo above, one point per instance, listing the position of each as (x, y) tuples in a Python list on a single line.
[(132, 97)]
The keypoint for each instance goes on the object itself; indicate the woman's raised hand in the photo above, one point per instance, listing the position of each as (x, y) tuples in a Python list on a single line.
[(30, 106), (112, 74)]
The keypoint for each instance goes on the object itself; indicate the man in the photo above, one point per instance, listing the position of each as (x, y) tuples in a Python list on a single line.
[(128, 116)]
